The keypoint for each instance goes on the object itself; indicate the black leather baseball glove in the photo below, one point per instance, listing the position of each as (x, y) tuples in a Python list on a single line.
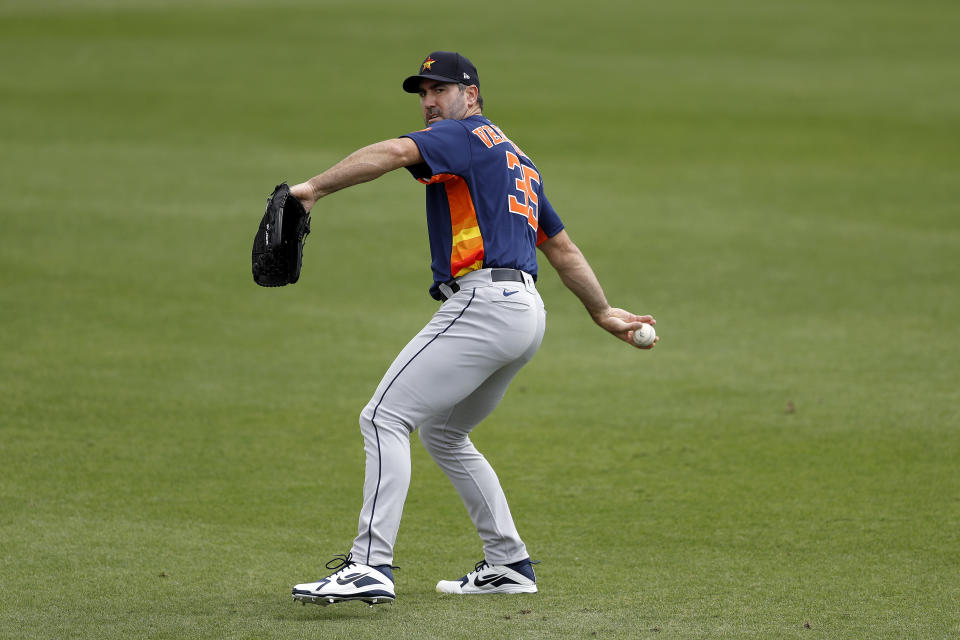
[(278, 245)]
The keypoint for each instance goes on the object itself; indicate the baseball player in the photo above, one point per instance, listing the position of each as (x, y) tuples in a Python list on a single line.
[(486, 216)]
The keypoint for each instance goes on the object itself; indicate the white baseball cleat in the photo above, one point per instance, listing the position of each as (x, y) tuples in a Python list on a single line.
[(349, 581), (517, 577)]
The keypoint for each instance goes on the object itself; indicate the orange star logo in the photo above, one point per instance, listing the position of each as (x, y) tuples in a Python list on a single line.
[(427, 63)]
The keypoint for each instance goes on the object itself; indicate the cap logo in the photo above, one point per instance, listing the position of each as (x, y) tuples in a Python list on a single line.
[(427, 64), (466, 77)]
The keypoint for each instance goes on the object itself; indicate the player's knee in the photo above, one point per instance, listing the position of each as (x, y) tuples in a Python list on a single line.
[(373, 419), (431, 438), (366, 419), (438, 438)]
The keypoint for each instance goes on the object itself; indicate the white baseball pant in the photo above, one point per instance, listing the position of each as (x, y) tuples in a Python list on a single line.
[(444, 383)]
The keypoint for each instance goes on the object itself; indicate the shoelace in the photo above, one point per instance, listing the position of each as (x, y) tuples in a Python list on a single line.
[(340, 561)]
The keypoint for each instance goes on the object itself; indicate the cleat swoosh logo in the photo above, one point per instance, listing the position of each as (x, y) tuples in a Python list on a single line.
[(482, 582), (353, 577)]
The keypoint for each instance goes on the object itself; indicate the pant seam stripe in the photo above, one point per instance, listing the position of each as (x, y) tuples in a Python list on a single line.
[(376, 429)]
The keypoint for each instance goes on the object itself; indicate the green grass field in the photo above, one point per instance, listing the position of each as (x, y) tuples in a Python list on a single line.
[(777, 182)]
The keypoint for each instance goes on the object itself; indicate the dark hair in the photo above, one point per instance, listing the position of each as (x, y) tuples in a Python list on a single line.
[(479, 97)]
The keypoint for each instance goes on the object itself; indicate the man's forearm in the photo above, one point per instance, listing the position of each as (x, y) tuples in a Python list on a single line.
[(576, 274), (363, 165), (579, 277)]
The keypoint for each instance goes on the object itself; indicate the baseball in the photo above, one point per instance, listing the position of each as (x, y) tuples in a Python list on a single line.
[(644, 336)]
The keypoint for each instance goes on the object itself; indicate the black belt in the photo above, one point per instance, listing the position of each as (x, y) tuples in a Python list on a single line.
[(496, 275)]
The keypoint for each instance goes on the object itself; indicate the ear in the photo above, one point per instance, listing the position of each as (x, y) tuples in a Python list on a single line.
[(472, 92)]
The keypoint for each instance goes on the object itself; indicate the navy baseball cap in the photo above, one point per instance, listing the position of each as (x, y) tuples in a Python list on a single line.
[(445, 66)]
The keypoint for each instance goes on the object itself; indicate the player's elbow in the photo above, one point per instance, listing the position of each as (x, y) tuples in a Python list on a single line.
[(560, 250)]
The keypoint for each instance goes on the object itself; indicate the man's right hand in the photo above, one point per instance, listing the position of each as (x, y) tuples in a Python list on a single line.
[(622, 324)]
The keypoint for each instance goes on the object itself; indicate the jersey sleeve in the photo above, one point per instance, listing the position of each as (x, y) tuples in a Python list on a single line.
[(549, 222), (444, 147)]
